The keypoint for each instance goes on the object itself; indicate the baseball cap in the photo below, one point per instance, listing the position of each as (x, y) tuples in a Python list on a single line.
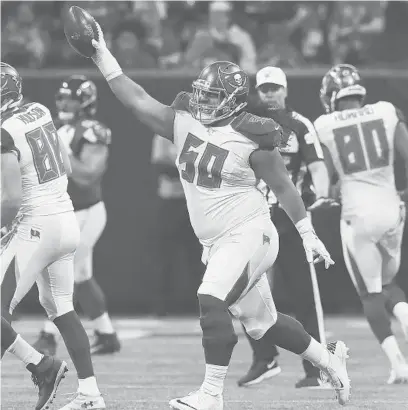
[(271, 75)]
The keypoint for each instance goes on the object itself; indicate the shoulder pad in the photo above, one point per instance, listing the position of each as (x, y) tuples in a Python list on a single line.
[(7, 143), (182, 101), (263, 131), (95, 133)]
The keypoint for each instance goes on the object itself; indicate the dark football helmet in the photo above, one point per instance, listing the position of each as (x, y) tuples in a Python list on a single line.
[(220, 91), (11, 84), (342, 80), (76, 98)]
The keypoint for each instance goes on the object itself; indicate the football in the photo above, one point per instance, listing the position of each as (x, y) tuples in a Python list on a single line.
[(80, 29)]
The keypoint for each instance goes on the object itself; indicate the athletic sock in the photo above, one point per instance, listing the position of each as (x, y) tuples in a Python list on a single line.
[(214, 379)]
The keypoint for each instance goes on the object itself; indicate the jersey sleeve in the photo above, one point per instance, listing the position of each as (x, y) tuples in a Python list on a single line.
[(265, 132), (309, 144), (7, 144)]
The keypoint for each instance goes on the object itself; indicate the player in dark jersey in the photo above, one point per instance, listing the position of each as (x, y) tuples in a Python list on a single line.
[(87, 141), (303, 158)]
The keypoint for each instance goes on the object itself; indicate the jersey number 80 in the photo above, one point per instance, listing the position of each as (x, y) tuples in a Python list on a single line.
[(208, 177), (351, 140)]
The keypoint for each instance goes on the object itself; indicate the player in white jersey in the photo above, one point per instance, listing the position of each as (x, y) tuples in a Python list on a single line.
[(46, 233), (47, 372), (359, 142), (222, 151)]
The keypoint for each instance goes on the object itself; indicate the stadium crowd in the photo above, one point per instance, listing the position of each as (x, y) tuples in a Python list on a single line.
[(189, 34)]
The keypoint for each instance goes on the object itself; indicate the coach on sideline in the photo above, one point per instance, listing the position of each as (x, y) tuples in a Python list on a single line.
[(303, 158)]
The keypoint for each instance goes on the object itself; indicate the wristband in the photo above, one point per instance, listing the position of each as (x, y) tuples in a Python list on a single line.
[(304, 225), (107, 64)]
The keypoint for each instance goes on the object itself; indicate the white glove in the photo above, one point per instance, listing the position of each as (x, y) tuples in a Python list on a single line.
[(99, 45), (314, 248), (106, 62)]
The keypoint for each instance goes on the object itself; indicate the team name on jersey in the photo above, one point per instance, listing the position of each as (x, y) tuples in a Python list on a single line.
[(34, 114), (362, 112)]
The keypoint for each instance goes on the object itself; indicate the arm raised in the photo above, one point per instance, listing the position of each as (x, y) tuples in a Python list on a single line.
[(157, 116)]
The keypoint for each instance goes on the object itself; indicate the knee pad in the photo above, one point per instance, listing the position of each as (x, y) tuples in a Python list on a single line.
[(216, 322)]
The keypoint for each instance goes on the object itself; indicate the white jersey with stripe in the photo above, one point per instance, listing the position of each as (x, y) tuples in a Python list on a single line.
[(218, 181), (361, 146), (44, 180)]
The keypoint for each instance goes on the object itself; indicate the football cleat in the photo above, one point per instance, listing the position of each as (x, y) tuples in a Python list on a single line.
[(83, 401), (198, 400), (336, 371), (105, 343), (46, 344), (312, 382), (399, 375), (259, 371), (47, 376)]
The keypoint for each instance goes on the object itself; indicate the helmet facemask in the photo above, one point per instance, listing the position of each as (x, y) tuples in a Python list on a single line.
[(209, 104), (70, 107)]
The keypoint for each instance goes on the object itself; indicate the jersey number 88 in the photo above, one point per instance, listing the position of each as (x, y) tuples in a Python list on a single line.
[(47, 157)]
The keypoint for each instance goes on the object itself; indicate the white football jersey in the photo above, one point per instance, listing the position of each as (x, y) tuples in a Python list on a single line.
[(361, 146), (218, 181), (44, 180)]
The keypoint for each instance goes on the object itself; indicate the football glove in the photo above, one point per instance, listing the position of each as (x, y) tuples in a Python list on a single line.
[(314, 248), (106, 62)]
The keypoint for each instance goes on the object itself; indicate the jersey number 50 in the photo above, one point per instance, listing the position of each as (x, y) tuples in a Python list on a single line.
[(208, 177), (351, 140), (44, 144)]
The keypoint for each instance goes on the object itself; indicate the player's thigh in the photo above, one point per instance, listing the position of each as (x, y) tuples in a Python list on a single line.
[(56, 286), (92, 222), (256, 309), (362, 258), (56, 281), (390, 246), (237, 262)]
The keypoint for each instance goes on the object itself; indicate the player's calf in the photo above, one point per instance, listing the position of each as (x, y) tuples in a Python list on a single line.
[(289, 334), (375, 310), (92, 301), (219, 339)]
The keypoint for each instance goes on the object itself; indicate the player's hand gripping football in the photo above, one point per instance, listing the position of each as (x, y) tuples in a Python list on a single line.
[(315, 250), (100, 44)]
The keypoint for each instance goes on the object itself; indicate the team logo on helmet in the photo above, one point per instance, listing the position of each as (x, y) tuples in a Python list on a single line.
[(234, 82)]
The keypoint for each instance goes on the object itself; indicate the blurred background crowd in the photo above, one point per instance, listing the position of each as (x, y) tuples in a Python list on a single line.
[(191, 34)]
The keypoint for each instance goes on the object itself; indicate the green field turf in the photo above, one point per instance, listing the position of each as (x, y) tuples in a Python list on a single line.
[(163, 359)]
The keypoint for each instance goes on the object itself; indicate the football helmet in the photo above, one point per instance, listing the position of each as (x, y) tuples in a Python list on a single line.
[(11, 84), (76, 98), (342, 80), (220, 91)]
